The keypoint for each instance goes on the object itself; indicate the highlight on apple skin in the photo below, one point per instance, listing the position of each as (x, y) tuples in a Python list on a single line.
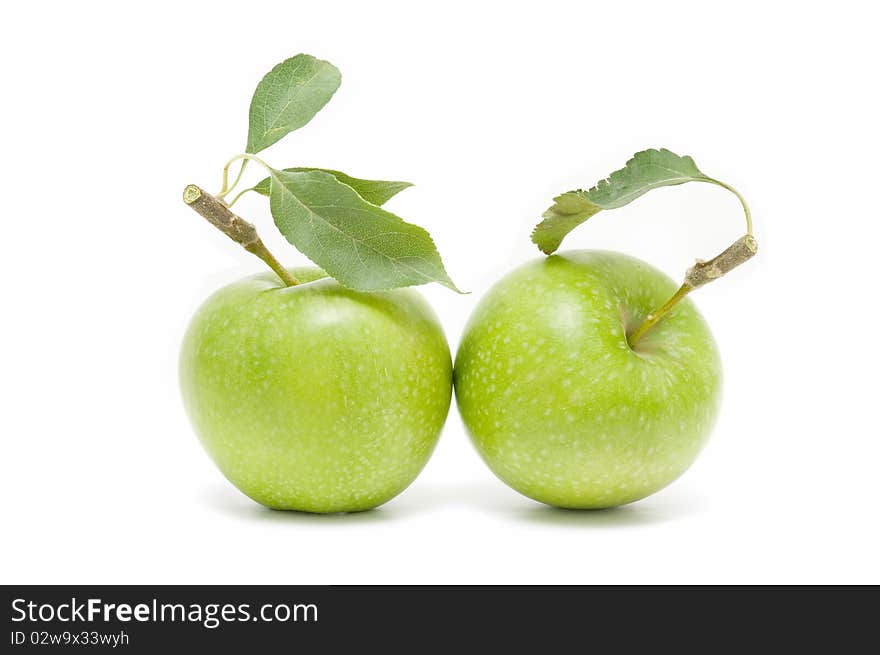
[(557, 402), (315, 397)]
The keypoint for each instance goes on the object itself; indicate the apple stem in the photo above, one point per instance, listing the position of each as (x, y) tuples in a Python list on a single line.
[(235, 227), (657, 314), (698, 275)]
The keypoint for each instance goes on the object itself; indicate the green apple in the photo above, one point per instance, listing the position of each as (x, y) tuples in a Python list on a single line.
[(315, 397), (558, 403)]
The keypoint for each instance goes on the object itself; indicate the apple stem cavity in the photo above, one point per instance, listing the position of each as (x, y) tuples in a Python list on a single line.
[(652, 318), (698, 275), (235, 227)]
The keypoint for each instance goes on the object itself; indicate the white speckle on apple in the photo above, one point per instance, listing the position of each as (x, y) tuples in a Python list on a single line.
[(316, 398), (622, 423)]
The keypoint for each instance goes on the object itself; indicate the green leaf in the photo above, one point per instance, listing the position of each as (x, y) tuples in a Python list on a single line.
[(288, 97), (568, 211), (361, 245), (376, 192), (649, 169)]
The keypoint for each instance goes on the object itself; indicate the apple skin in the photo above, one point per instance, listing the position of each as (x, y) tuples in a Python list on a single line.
[(558, 404), (315, 397)]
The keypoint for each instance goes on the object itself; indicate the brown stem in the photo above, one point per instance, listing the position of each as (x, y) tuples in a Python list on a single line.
[(699, 274), (235, 227), (742, 250)]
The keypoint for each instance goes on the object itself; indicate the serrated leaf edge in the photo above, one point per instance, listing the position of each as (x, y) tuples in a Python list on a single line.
[(631, 163), (445, 281), (275, 129), (636, 159)]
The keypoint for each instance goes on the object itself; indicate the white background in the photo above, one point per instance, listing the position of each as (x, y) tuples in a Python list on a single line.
[(110, 109)]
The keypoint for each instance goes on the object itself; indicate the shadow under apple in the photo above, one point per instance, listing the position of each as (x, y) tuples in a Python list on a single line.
[(233, 504), (485, 496)]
